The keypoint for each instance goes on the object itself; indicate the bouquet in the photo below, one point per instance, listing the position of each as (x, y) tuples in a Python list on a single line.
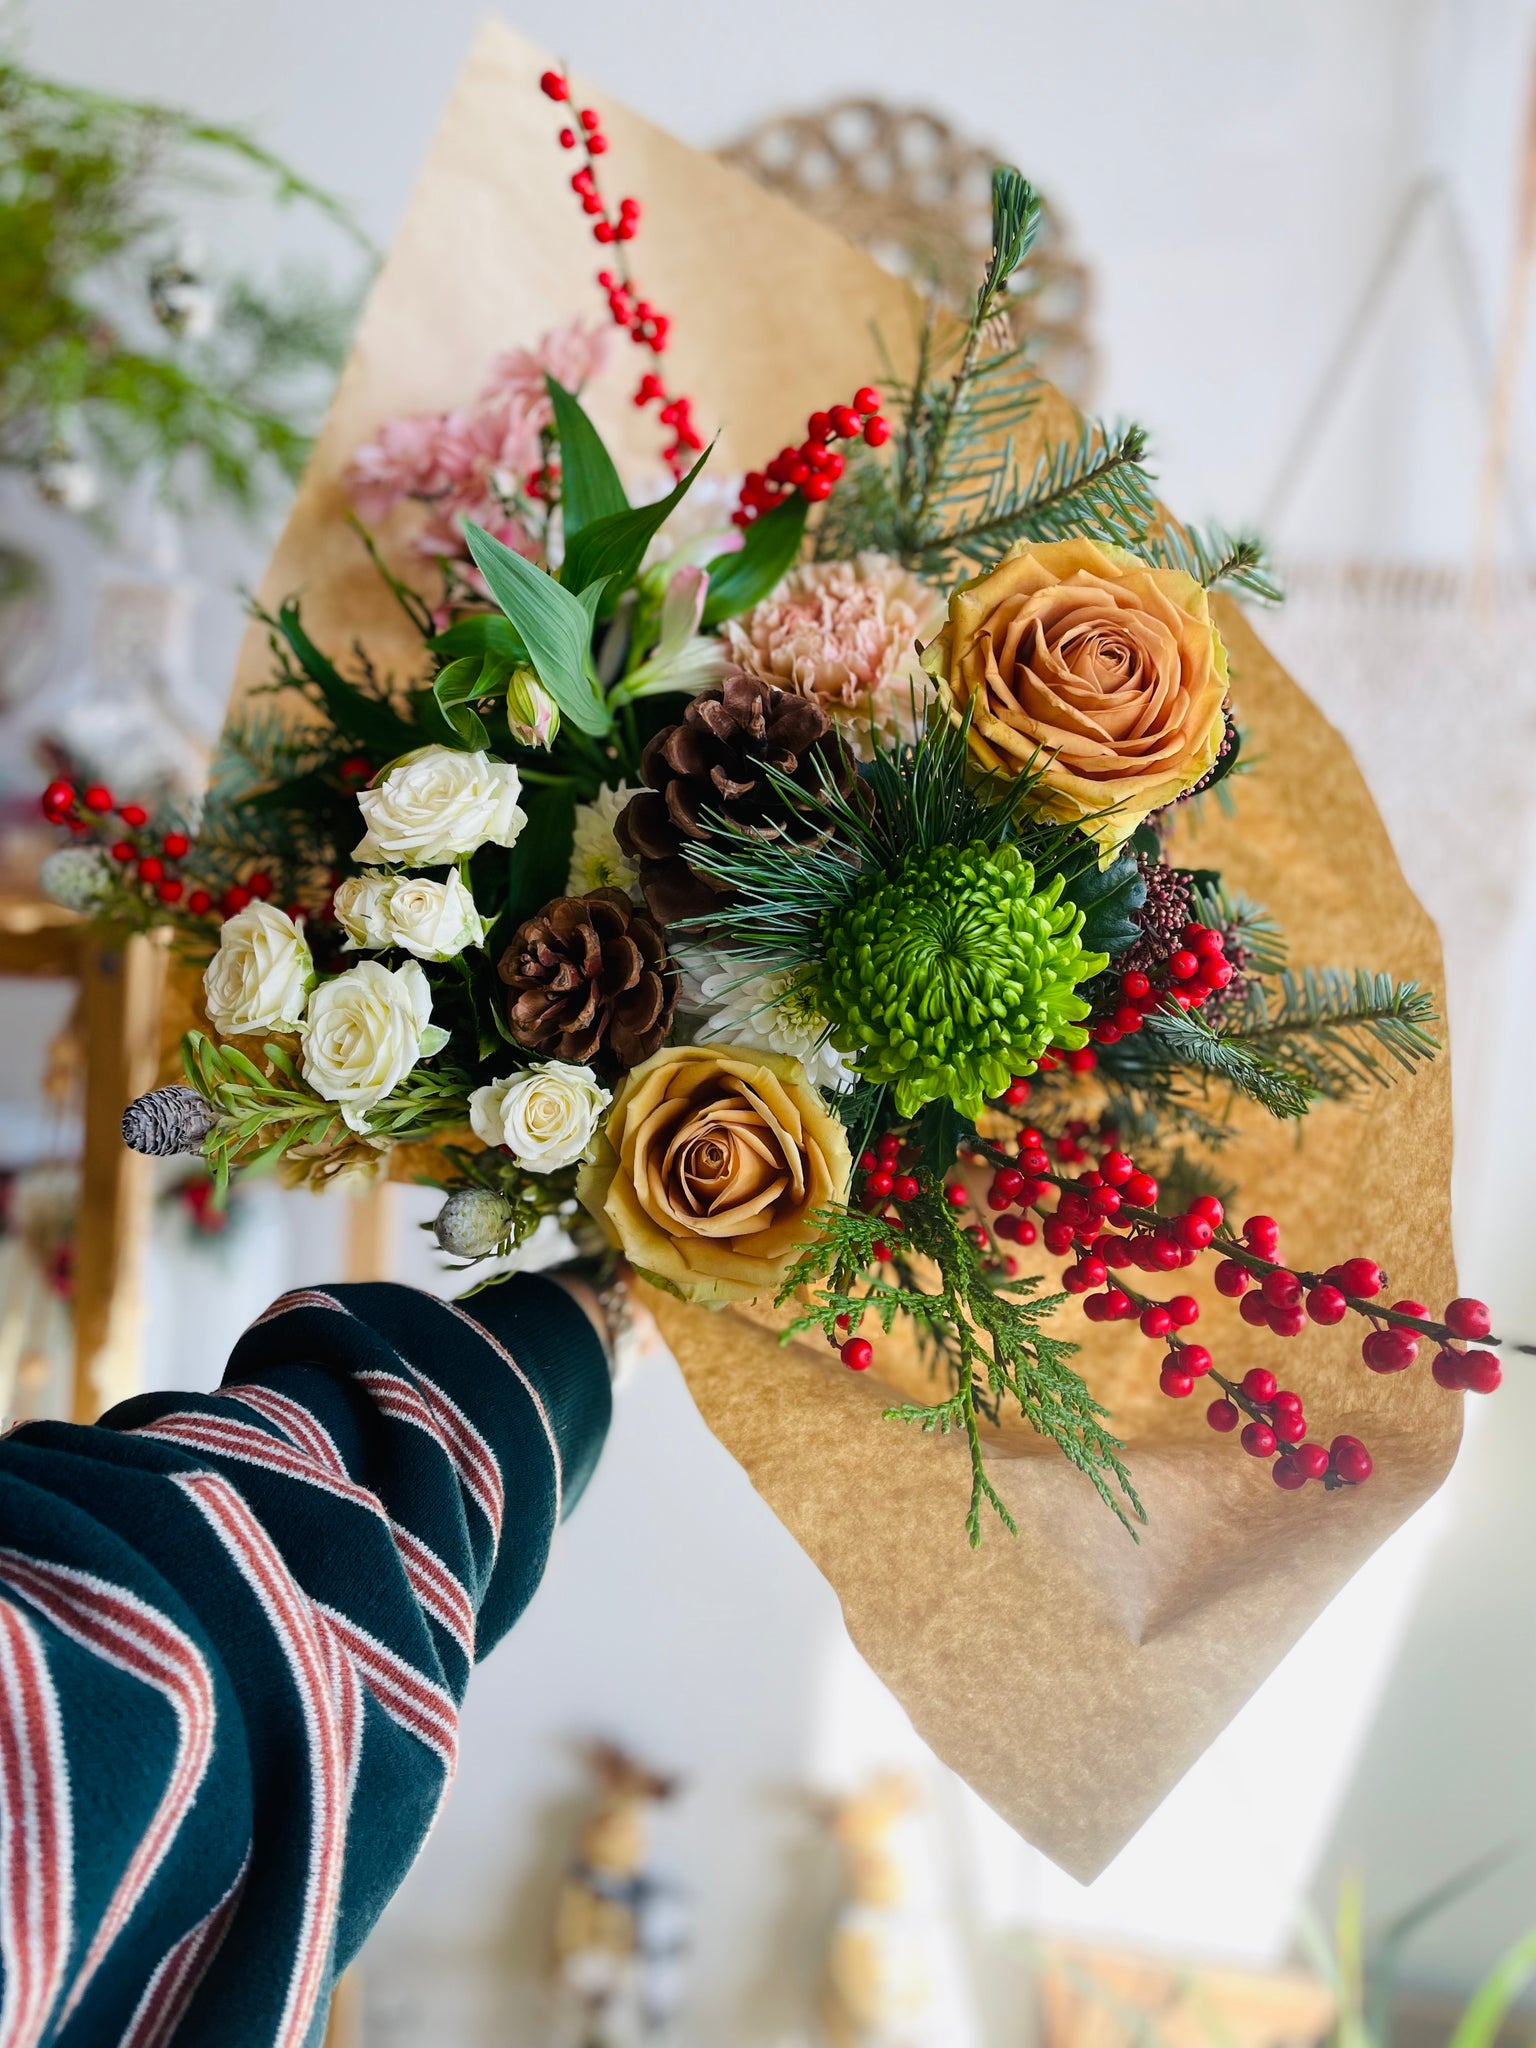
[(772, 882)]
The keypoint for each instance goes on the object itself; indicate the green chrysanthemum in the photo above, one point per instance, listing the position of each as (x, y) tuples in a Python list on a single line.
[(951, 973)]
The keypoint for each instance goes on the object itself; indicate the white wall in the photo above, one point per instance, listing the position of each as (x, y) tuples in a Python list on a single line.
[(1229, 171)]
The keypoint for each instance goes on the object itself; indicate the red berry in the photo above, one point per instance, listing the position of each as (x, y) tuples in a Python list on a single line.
[(98, 797), (1195, 1358), (881, 1252), (858, 1354), (890, 1148), (877, 432), (1260, 1385), (867, 1162), (1254, 1310), (553, 86), (134, 816), (1183, 966), (1135, 986), (567, 138), (1007, 1186), (1262, 1235), (1140, 1190), (866, 400), (235, 899), (1194, 1232), (1155, 1321), (1258, 1440), (58, 798), (1096, 1308), (905, 1187), (1075, 1280), (589, 119), (199, 902), (1185, 1310), (1118, 1305), (955, 1195), (1411, 1308), (1210, 1208), (1288, 1474), (1288, 1401), (1467, 1318), (1232, 1279), (1007, 1228), (598, 144), (1361, 1277), (1481, 1372), (1390, 1350), (845, 421), (878, 1186), (1281, 1290), (1215, 973), (1290, 1427), (151, 868), (977, 1233), (1095, 1269), (1165, 1255), (1024, 1232), (1446, 1369), (1325, 1304), (1312, 1459), (1174, 1381), (176, 845), (169, 891), (1058, 1236), (1082, 1061), (1223, 1416), (1351, 1462), (1016, 1094), (123, 849), (1286, 1322), (1117, 1168)]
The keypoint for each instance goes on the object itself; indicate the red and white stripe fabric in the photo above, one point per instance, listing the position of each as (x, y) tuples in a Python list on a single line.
[(36, 1835), (127, 1632)]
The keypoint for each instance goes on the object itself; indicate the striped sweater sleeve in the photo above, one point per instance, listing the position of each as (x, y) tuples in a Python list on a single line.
[(235, 1633)]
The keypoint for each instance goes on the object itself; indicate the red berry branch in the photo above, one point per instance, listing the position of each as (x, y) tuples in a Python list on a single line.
[(147, 856), (1106, 1222), (814, 467), (646, 326)]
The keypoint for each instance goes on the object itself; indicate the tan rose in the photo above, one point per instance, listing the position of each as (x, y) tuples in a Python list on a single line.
[(1082, 666), (711, 1166)]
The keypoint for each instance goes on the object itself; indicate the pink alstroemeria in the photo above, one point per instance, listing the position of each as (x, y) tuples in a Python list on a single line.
[(683, 658)]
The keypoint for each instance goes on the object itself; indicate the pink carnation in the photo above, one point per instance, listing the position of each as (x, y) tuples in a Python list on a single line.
[(573, 355), (846, 633)]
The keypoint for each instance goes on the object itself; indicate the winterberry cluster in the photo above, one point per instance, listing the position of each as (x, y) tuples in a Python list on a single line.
[(814, 467), (644, 323), (1106, 1223), (1188, 978), (148, 857)]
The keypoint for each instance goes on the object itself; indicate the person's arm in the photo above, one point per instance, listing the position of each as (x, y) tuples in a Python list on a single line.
[(235, 1630)]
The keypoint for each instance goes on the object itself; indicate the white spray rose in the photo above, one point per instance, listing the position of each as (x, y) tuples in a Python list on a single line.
[(433, 920), (365, 1031), (362, 910), (437, 803), (546, 1116), (258, 978)]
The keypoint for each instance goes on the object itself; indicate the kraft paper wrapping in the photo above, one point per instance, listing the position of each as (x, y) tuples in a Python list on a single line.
[(1071, 1676)]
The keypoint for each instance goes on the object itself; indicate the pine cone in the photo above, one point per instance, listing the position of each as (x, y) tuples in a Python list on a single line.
[(167, 1121), (590, 982), (711, 767)]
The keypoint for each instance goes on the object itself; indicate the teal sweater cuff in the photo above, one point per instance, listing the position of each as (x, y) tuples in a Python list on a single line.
[(553, 1340)]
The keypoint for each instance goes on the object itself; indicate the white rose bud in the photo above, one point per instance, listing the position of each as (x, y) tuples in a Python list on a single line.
[(438, 803), (258, 978), (546, 1116), (362, 911), (433, 920), (365, 1031), (532, 713)]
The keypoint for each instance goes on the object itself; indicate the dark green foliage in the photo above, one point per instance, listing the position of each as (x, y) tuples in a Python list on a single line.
[(590, 488), (554, 625), (741, 580), (984, 1329), (1107, 897)]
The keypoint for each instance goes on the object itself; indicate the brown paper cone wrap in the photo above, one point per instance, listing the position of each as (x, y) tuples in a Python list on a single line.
[(1072, 1676)]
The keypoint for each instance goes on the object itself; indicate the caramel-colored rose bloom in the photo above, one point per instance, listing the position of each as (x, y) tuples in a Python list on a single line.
[(711, 1166), (1102, 677)]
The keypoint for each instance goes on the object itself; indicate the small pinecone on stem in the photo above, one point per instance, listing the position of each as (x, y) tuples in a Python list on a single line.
[(167, 1121), (709, 770), (590, 982)]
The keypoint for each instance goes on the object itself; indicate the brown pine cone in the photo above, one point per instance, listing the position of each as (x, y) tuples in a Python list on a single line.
[(711, 767), (590, 982)]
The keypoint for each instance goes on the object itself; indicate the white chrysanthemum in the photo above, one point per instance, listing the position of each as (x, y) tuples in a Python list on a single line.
[(596, 861), (765, 1012)]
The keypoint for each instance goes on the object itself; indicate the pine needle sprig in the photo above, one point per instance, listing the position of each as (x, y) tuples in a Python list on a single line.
[(1340, 1030), (1175, 1039), (1214, 557), (986, 1328)]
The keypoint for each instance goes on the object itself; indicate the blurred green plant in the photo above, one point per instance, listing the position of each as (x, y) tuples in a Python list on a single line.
[(1363, 1967), (115, 353)]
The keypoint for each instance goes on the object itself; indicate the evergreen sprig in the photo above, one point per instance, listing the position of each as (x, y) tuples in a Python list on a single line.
[(985, 1328), (1339, 1029), (1214, 557)]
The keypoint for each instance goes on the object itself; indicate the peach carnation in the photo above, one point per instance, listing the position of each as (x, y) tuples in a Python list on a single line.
[(845, 633)]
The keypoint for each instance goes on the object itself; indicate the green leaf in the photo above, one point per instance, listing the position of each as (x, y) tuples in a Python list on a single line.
[(554, 626), (539, 865), (482, 633), (1106, 897), (614, 547), (589, 484), (454, 687), (372, 723), (743, 579)]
